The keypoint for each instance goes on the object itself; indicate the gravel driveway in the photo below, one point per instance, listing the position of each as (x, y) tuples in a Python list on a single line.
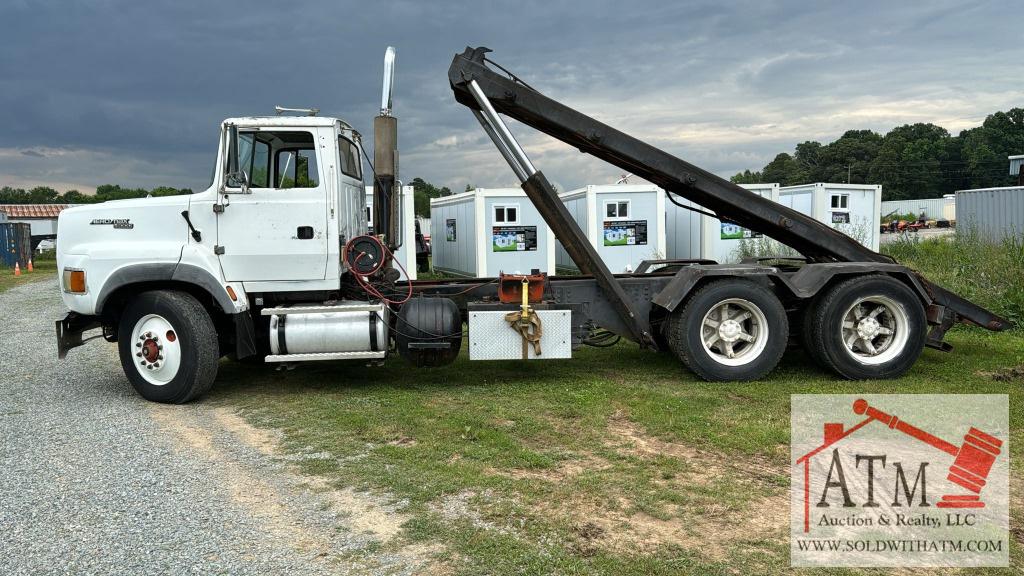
[(95, 480)]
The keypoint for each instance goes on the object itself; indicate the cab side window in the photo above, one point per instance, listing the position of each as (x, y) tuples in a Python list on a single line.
[(296, 169), (351, 163)]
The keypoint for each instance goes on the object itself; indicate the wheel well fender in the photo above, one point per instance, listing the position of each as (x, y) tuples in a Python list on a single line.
[(809, 281), (131, 280), (687, 280)]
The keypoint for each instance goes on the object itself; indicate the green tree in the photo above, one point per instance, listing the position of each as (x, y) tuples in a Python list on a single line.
[(746, 177), (849, 158), (911, 160), (783, 169), (423, 191)]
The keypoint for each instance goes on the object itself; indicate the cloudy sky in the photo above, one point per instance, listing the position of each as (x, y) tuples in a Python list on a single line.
[(132, 92)]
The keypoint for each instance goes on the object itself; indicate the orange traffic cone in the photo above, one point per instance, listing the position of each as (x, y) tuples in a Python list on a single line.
[(17, 269), (29, 264)]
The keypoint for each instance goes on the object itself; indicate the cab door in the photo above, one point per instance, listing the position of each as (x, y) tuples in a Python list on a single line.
[(278, 229)]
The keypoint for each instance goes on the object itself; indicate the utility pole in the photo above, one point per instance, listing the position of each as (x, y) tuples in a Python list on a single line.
[(849, 169)]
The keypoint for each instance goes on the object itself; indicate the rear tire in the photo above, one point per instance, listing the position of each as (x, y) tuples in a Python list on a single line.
[(168, 346), (730, 330), (867, 327)]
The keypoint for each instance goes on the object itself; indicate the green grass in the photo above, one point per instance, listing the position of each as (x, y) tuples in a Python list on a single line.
[(540, 451), (44, 270)]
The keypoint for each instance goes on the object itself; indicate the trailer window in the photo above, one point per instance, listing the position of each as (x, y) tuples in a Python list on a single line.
[(506, 214), (840, 201), (350, 161), (616, 209)]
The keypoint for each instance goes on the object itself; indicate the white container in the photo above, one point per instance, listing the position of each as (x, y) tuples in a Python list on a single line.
[(694, 236), (854, 209), (624, 222), (406, 253), (485, 232)]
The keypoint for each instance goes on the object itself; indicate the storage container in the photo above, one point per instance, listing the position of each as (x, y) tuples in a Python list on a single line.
[(994, 213), (406, 253), (624, 222), (695, 236), (488, 231), (15, 244), (854, 209)]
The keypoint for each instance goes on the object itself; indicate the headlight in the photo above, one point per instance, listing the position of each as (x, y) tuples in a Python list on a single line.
[(73, 281)]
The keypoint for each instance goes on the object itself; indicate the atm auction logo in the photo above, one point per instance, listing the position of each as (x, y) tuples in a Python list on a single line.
[(900, 480)]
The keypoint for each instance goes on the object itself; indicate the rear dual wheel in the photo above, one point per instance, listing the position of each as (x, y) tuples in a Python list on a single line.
[(866, 327), (730, 330)]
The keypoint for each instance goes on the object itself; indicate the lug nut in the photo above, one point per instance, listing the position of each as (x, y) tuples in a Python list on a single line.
[(160, 357), (143, 363), (139, 354), (156, 365), (149, 367)]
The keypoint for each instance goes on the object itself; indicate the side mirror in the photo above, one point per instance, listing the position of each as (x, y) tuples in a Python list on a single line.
[(235, 178)]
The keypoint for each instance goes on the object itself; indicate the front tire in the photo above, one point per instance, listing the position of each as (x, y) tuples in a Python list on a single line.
[(168, 346), (866, 327), (730, 330)]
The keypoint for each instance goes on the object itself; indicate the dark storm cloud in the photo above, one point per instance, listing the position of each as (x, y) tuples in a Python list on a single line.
[(132, 92)]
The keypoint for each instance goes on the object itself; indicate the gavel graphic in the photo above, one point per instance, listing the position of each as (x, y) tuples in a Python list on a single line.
[(972, 461)]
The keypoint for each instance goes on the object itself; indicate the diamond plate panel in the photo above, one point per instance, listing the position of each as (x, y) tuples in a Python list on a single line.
[(491, 337)]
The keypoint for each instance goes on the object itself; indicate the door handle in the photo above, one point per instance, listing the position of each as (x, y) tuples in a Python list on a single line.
[(304, 232)]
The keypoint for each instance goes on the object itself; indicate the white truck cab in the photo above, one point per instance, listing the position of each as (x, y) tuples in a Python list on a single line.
[(275, 224)]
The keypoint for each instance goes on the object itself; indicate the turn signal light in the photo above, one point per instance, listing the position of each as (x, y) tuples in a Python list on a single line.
[(231, 294), (74, 281)]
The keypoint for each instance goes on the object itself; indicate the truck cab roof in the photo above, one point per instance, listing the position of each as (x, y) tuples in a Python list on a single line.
[(285, 121)]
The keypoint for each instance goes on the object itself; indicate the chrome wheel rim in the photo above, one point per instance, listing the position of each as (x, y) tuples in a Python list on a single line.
[(875, 329), (156, 349), (734, 332)]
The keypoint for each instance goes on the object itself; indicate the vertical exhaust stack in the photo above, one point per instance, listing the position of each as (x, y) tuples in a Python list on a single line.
[(385, 162)]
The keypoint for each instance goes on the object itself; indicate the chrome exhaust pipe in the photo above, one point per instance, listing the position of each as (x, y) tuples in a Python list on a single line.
[(389, 81)]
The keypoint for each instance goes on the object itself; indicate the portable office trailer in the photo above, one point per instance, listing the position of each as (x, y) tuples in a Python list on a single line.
[(933, 208), (692, 235), (625, 222), (406, 253), (854, 209), (487, 231), (15, 243), (993, 213)]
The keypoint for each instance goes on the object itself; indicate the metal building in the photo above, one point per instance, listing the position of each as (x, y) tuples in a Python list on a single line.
[(933, 208), (484, 232), (994, 213), (406, 254), (625, 222), (42, 218), (853, 209), (691, 235)]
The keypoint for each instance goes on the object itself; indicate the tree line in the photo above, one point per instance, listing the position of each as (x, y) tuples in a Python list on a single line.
[(47, 195), (910, 161)]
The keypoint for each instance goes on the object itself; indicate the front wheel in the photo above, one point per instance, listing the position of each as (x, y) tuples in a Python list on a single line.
[(168, 346), (866, 327), (730, 330)]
